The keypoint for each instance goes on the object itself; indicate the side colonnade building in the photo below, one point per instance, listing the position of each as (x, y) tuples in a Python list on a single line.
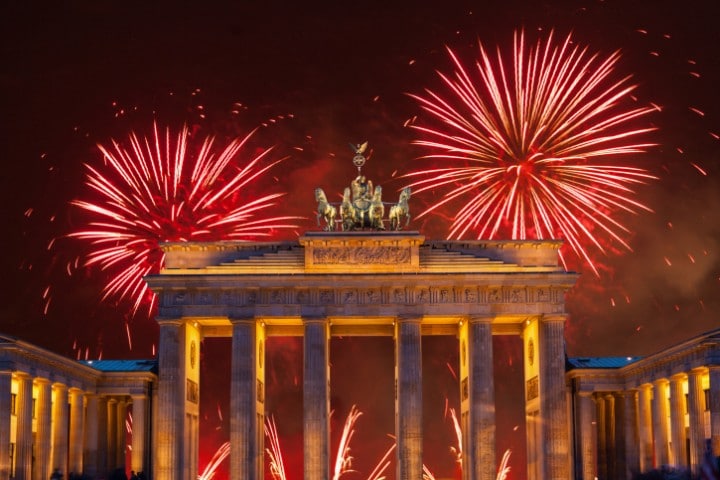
[(637, 414), (70, 416)]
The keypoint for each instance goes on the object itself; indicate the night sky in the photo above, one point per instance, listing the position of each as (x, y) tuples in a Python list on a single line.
[(74, 74)]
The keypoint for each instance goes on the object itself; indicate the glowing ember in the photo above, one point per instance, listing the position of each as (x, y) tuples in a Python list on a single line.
[(169, 188), (534, 151)]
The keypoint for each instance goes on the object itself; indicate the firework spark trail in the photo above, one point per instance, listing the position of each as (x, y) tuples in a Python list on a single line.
[(211, 468), (164, 188), (277, 465), (535, 149), (458, 435), (504, 468), (378, 473), (343, 460)]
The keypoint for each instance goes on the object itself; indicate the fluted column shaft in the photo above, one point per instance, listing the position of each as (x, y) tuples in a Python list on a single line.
[(43, 435), (5, 406), (77, 419), (677, 422), (90, 452), (645, 431), (168, 463), (620, 443), (111, 433), (60, 429), (121, 432), (139, 433), (715, 409), (482, 400), (316, 399), (243, 402), (553, 400), (23, 433), (102, 436), (660, 422), (408, 426), (610, 436), (602, 437), (585, 438), (696, 409), (630, 430)]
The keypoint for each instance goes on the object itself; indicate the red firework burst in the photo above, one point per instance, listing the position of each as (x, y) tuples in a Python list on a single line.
[(163, 188), (534, 148)]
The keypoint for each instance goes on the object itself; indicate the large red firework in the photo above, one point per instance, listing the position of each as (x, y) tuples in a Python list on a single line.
[(168, 187), (534, 148)]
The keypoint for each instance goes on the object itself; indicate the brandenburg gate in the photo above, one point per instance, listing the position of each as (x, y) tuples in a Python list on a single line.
[(360, 282), (395, 284)]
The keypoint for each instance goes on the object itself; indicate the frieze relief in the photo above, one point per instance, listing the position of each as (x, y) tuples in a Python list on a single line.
[(512, 299), (362, 255)]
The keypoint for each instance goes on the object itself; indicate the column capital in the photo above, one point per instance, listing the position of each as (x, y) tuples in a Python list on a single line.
[(555, 317), (585, 393), (698, 371), (176, 322), (660, 382), (409, 318), (678, 377), (243, 320), (41, 380), (480, 319), (309, 319)]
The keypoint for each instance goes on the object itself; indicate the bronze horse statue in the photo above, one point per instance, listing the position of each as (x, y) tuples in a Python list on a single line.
[(325, 210), (400, 210)]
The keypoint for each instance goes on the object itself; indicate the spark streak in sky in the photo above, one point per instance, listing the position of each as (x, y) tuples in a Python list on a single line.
[(167, 187), (536, 147)]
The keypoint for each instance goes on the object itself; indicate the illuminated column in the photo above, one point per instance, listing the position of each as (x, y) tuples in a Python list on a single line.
[(408, 378), (168, 460), (645, 432), (90, 452), (60, 428), (111, 433), (620, 452), (610, 436), (5, 402), (139, 432), (715, 408), (585, 440), (121, 433), (677, 421), (102, 439), (660, 422), (23, 434), (602, 437), (696, 410), (630, 434), (43, 437), (477, 385), (247, 400), (77, 420), (316, 408), (553, 401)]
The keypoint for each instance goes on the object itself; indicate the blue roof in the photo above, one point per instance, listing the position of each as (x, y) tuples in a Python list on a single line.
[(122, 365), (601, 362)]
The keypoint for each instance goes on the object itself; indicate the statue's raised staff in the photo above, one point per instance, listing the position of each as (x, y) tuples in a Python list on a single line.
[(325, 210), (400, 211)]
